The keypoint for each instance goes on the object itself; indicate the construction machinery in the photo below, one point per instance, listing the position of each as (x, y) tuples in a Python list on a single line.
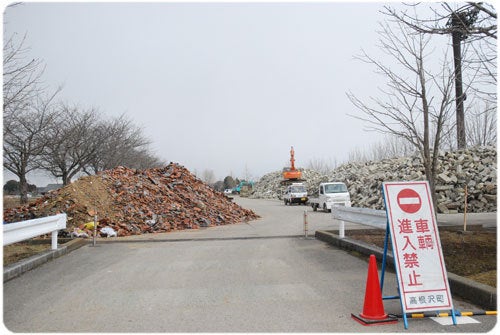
[(291, 174), (244, 188)]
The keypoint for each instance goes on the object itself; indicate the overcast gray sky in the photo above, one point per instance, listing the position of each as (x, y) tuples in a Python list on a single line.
[(227, 87)]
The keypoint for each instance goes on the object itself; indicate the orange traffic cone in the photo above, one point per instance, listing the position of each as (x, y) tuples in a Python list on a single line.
[(373, 309)]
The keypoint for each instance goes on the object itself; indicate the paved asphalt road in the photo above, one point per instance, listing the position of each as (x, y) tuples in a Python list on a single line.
[(257, 277)]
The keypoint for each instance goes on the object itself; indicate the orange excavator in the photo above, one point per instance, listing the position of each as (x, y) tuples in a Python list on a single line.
[(291, 174)]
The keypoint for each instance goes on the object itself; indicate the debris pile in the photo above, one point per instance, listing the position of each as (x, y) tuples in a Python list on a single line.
[(475, 168), (136, 202), (269, 186)]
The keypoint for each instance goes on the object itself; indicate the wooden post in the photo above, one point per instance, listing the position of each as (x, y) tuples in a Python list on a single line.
[(95, 228), (306, 232), (465, 208)]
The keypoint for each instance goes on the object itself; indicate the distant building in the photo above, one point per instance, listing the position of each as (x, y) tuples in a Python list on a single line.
[(49, 187)]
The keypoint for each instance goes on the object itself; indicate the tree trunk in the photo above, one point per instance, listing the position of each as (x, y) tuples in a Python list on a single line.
[(23, 188), (431, 178), (65, 178), (426, 150)]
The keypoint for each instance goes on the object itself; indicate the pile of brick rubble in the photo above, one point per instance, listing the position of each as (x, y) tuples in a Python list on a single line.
[(136, 202)]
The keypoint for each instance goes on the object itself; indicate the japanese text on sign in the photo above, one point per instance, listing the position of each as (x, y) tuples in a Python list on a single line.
[(416, 245)]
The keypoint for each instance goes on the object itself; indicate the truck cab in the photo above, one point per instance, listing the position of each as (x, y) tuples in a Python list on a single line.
[(330, 194), (295, 193)]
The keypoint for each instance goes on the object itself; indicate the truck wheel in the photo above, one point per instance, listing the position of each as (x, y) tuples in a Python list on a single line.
[(315, 207), (324, 208)]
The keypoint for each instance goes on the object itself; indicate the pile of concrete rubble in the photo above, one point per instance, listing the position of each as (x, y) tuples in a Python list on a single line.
[(133, 202), (269, 186), (474, 167)]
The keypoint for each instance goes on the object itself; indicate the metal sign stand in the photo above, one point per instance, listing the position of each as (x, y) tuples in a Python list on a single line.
[(387, 238), (384, 261)]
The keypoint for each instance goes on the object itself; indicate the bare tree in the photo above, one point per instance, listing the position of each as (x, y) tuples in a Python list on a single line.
[(121, 143), (26, 112), (389, 147), (208, 176), (472, 24), (321, 165), (477, 19), (482, 126), (25, 137), (392, 146), (247, 174), (415, 104), (72, 143), (142, 159), (21, 76), (357, 155)]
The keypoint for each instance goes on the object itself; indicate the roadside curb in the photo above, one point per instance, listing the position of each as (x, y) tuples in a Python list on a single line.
[(191, 239), (13, 270), (480, 294)]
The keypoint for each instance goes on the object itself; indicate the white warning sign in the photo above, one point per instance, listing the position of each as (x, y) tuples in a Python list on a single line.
[(416, 246)]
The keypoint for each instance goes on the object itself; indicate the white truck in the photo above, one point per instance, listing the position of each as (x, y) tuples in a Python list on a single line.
[(295, 193), (329, 194)]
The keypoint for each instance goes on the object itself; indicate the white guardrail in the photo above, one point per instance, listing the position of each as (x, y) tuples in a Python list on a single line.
[(370, 217), (20, 231)]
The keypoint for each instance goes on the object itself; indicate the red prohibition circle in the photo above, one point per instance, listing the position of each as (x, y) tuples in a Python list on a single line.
[(409, 201)]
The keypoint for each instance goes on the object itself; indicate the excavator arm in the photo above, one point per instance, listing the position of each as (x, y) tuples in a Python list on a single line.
[(291, 174)]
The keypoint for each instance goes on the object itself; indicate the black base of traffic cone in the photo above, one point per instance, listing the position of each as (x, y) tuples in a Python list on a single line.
[(372, 322)]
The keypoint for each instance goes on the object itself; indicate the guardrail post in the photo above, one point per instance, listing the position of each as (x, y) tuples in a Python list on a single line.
[(341, 229), (54, 239), (335, 210)]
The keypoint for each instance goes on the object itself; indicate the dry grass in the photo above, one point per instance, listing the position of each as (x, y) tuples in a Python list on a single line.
[(471, 255), (18, 251), (11, 201)]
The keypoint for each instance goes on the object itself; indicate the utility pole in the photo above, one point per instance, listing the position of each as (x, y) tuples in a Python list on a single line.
[(457, 37), (460, 23)]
